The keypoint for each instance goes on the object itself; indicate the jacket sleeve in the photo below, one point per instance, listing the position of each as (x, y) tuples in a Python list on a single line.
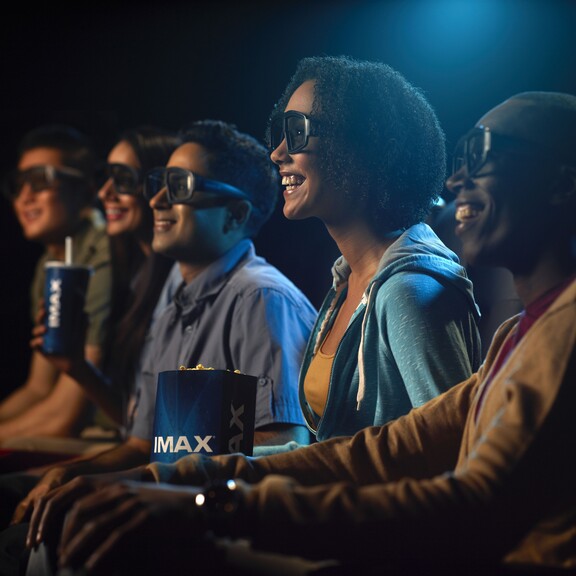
[(407, 446), (515, 455)]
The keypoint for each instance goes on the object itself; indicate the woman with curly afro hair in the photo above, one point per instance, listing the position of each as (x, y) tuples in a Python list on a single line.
[(360, 148)]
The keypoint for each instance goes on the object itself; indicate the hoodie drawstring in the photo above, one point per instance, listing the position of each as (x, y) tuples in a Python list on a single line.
[(367, 300)]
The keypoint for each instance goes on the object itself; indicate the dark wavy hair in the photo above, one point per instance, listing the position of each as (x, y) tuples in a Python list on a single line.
[(137, 279), (239, 159), (381, 142)]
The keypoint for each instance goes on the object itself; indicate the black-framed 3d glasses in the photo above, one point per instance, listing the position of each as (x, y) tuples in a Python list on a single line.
[(39, 178), (296, 127), (474, 149), (181, 186), (125, 179)]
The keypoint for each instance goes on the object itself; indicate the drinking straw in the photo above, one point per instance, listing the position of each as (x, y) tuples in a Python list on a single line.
[(68, 250)]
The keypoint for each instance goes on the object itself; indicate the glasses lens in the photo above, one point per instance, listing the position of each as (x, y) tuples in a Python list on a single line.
[(276, 132), (296, 134), (38, 178), (154, 182), (477, 148), (180, 185), (459, 156), (125, 179)]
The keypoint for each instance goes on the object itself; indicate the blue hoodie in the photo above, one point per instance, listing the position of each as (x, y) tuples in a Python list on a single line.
[(413, 336)]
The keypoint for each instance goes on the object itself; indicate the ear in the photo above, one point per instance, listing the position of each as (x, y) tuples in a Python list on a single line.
[(564, 188), (238, 213)]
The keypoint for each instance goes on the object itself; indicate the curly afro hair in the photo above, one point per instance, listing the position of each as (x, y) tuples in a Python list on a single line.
[(239, 159), (381, 141)]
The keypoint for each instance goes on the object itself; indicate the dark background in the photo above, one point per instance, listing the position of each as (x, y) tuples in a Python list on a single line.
[(112, 65)]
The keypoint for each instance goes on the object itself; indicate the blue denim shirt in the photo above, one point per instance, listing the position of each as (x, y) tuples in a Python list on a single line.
[(242, 314)]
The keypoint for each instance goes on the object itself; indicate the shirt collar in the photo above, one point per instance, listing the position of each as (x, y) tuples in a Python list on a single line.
[(211, 280)]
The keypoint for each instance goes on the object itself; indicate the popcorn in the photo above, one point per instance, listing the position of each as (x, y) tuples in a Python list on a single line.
[(201, 367)]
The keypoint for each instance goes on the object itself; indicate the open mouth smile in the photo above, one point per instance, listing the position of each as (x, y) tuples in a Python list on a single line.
[(468, 213), (292, 182)]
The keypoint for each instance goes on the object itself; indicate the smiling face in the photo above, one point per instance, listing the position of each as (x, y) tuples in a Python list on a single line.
[(305, 194), (188, 234), (501, 213), (124, 213), (48, 215)]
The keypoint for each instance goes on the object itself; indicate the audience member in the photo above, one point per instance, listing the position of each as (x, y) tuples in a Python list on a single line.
[(53, 192), (361, 149)]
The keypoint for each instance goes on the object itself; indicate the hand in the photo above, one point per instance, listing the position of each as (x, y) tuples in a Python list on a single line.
[(51, 507), (67, 364), (50, 480), (133, 528)]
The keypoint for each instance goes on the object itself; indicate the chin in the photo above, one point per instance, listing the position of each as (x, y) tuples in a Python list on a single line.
[(291, 214)]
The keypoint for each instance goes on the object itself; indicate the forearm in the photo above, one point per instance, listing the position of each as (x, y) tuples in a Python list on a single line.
[(52, 417), (130, 454), (19, 401), (62, 413), (99, 389), (40, 382), (408, 446), (278, 434)]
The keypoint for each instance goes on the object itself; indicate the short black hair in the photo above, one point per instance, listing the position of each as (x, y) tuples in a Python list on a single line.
[(239, 159), (76, 148), (381, 141)]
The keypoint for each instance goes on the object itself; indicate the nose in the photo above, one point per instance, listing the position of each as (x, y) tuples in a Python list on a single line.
[(457, 181), (23, 193), (160, 200), (107, 192), (280, 154)]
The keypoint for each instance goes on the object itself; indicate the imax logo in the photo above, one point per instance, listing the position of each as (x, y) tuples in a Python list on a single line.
[(54, 303), (166, 444), (235, 442)]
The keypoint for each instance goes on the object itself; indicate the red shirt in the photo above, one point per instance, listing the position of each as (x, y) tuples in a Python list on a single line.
[(527, 318)]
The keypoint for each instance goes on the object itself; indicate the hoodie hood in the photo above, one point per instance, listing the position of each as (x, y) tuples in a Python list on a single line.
[(413, 251), (418, 249)]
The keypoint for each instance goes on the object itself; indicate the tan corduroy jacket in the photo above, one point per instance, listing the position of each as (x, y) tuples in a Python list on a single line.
[(451, 482)]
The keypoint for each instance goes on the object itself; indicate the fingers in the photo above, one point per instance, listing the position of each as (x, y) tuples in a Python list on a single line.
[(33, 537), (121, 526), (38, 333), (41, 313), (49, 510), (22, 511), (95, 530), (92, 506), (111, 554)]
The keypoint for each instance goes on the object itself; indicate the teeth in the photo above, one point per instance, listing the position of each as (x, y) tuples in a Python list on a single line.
[(466, 212), (292, 180)]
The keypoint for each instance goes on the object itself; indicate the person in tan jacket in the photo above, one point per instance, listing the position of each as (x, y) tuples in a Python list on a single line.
[(480, 480)]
